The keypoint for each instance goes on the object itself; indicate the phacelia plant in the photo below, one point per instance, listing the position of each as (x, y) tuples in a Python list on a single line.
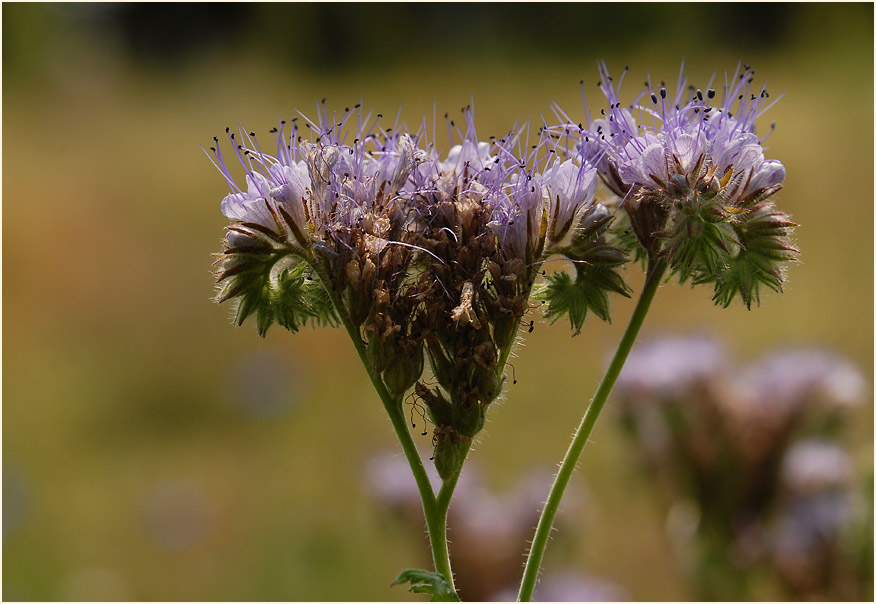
[(430, 259)]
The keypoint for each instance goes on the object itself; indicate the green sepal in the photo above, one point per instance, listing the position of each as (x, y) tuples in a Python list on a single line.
[(700, 241), (427, 582), (271, 280), (764, 235)]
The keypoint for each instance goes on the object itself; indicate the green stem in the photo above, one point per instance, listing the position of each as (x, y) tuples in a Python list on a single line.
[(434, 509), (438, 531), (654, 274)]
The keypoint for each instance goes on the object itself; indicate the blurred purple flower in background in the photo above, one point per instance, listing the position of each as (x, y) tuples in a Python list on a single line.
[(265, 384), (488, 531), (751, 462), (177, 514)]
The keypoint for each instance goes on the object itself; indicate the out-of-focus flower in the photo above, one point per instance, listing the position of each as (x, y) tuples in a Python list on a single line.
[(818, 509), (670, 366), (727, 442), (574, 587), (176, 515), (261, 385), (487, 531)]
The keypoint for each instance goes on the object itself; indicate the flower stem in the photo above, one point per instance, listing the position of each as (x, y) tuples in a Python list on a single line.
[(434, 509), (654, 274), (438, 532)]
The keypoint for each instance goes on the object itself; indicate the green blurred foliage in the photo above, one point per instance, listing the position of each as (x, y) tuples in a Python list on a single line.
[(122, 377)]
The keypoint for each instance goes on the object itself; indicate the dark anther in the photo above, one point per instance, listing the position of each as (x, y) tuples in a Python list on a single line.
[(653, 98), (662, 93), (711, 93)]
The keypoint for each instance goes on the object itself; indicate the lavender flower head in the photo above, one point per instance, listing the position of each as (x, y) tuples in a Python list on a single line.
[(418, 254), (323, 208), (480, 219), (694, 181)]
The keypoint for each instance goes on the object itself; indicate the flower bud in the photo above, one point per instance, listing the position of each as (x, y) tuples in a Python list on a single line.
[(404, 370), (450, 451)]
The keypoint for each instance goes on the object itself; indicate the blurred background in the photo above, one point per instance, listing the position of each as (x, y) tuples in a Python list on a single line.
[(153, 452)]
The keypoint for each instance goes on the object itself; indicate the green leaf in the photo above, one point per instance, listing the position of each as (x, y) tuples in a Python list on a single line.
[(427, 582), (588, 293)]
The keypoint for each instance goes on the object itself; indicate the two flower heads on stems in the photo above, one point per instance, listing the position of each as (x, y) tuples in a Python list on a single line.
[(423, 256)]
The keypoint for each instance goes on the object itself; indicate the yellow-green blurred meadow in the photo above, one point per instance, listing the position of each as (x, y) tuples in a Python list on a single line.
[(151, 451)]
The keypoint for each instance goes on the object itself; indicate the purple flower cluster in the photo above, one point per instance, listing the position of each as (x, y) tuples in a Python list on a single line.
[(423, 255), (756, 451), (690, 169), (418, 254)]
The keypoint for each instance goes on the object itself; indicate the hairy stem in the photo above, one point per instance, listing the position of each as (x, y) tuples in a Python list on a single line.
[(654, 274), (438, 535), (436, 517)]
